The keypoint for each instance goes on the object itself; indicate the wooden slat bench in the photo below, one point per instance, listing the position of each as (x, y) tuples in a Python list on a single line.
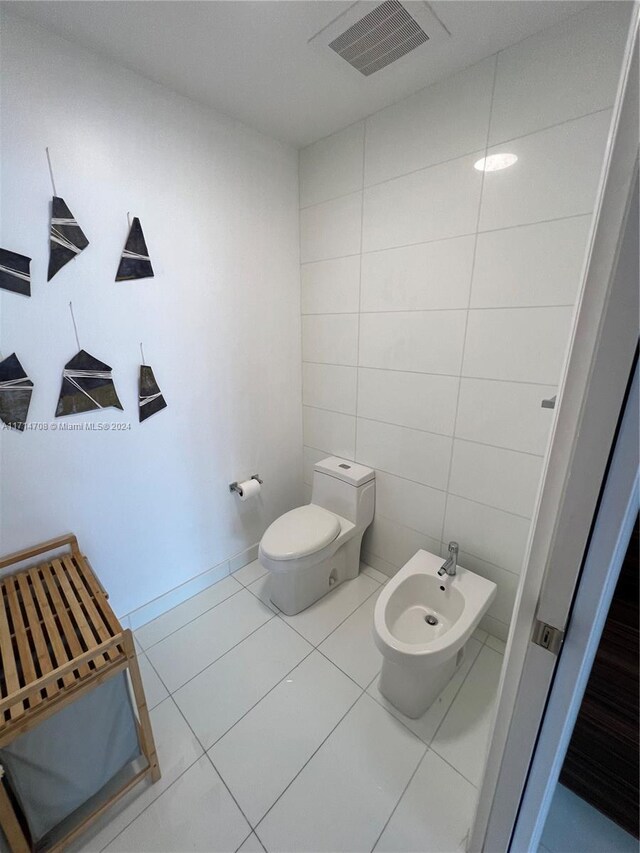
[(59, 638)]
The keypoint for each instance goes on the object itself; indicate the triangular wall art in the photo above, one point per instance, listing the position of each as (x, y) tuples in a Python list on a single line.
[(86, 385), (15, 393), (14, 272), (66, 238), (135, 261), (150, 399)]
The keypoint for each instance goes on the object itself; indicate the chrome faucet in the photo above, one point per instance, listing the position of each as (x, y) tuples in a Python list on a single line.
[(449, 568)]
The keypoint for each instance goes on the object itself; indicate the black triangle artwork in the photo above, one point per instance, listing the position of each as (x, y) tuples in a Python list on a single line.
[(14, 272), (150, 399), (15, 393), (135, 261), (66, 238), (87, 385)]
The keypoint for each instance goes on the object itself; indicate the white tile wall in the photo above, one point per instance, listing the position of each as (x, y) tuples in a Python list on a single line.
[(446, 295)]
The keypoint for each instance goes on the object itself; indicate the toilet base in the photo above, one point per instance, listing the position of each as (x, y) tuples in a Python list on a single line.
[(294, 589), (412, 688)]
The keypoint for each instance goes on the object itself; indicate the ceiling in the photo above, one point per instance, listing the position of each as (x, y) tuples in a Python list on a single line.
[(251, 60)]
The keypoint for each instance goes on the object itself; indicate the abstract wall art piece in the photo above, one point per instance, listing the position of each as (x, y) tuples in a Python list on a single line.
[(150, 399), (14, 272), (86, 385), (15, 393), (66, 238), (135, 261)]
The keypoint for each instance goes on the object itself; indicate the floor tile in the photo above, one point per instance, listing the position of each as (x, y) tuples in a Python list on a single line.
[(426, 726), (496, 644), (250, 573), (351, 646), (434, 814), (196, 813), (251, 845), (480, 635), (156, 630), (281, 733), (316, 622), (216, 698), (188, 651), (177, 750), (260, 589), (154, 689), (463, 736), (574, 825), (343, 797), (373, 573)]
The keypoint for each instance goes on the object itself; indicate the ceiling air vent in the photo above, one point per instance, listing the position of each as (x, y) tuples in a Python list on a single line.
[(371, 35), (382, 36)]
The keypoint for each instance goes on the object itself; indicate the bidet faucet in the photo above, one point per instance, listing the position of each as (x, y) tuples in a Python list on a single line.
[(449, 568)]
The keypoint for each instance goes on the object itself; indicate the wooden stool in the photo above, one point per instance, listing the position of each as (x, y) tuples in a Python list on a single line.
[(86, 645)]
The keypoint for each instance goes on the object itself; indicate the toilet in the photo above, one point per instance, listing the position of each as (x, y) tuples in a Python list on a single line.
[(422, 622), (312, 549)]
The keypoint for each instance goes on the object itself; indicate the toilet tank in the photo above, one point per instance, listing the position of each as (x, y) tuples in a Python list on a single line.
[(346, 488)]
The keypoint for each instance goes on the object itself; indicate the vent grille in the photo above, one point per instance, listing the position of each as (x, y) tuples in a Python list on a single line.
[(382, 36)]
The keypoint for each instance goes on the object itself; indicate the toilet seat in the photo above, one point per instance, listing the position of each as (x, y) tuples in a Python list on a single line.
[(300, 532)]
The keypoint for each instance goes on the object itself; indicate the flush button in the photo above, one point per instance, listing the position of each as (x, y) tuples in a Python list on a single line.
[(346, 467)]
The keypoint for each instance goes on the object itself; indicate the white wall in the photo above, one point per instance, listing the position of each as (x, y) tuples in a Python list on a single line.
[(220, 321), (437, 300)]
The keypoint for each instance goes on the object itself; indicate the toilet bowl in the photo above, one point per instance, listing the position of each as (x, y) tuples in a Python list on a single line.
[(421, 625), (314, 548)]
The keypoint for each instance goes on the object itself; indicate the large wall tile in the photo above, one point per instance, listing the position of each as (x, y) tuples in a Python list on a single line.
[(520, 344), (426, 341), (420, 456), (395, 543), (328, 431), (506, 414), (410, 504), (333, 166), (420, 277), (330, 338), (507, 584), (419, 400), (438, 202), (331, 229), (330, 287), (556, 175), (561, 73), (328, 386), (489, 533), (505, 479), (438, 123), (532, 265)]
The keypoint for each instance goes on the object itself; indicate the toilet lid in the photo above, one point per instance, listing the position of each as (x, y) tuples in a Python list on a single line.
[(299, 532)]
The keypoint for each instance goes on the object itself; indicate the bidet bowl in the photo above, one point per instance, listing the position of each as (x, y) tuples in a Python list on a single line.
[(401, 630)]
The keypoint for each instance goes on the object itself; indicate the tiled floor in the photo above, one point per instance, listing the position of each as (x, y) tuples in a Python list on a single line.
[(272, 734)]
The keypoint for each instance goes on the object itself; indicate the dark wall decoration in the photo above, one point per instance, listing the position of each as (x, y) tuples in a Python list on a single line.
[(66, 238), (14, 272), (150, 399), (86, 385), (135, 261), (15, 393)]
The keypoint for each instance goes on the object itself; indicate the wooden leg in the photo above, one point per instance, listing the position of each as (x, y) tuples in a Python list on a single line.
[(146, 734), (10, 825)]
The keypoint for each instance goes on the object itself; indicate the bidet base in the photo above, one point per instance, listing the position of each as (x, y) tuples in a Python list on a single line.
[(413, 688)]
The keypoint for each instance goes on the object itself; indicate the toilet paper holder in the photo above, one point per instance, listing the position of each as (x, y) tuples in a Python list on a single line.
[(234, 487)]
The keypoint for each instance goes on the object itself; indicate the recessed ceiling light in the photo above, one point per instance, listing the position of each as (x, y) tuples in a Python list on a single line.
[(495, 162)]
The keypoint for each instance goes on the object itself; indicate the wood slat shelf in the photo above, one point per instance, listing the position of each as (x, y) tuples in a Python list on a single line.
[(58, 638)]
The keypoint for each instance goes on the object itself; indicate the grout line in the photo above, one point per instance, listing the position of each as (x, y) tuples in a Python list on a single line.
[(432, 373), (189, 621), (451, 435), (404, 791), (431, 310), (551, 219), (364, 146), (466, 322)]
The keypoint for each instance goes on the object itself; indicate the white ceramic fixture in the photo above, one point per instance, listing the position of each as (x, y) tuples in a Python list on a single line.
[(310, 550), (421, 625)]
